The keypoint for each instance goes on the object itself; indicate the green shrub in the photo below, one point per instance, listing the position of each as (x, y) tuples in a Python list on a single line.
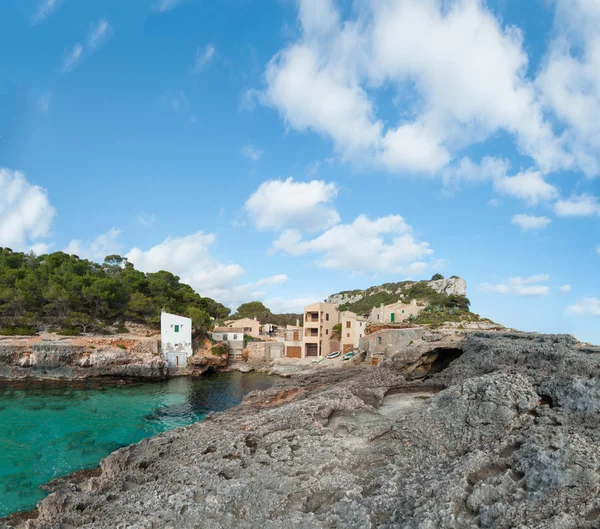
[(121, 346), (69, 331), (17, 331), (436, 277), (219, 350)]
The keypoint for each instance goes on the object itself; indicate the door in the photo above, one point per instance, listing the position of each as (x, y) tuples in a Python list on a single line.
[(312, 349), (296, 336), (294, 351), (393, 317)]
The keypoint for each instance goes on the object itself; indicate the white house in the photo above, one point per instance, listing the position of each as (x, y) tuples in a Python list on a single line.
[(176, 335), (234, 336)]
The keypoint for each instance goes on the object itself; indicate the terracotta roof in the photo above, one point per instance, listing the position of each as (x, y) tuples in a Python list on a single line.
[(228, 329)]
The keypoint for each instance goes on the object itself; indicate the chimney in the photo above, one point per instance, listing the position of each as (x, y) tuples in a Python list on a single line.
[(254, 318), (297, 322)]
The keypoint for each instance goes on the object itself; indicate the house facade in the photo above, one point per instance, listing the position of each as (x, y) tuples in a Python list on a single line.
[(250, 326), (176, 339), (352, 329), (234, 338), (319, 320), (395, 312)]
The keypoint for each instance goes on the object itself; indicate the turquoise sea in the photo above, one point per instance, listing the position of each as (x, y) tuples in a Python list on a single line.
[(50, 429)]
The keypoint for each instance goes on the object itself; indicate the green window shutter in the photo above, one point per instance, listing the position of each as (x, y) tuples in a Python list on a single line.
[(402, 311), (176, 328), (393, 319)]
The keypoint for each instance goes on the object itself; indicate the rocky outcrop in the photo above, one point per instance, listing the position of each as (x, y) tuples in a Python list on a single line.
[(451, 286), (67, 360), (512, 441)]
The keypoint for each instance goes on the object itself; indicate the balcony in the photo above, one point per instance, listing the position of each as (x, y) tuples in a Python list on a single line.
[(311, 317), (311, 332)]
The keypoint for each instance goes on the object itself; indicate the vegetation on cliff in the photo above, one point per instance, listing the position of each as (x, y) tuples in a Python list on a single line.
[(76, 295)]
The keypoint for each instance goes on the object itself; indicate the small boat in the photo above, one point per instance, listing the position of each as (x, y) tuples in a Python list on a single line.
[(318, 360), (335, 354), (348, 355)]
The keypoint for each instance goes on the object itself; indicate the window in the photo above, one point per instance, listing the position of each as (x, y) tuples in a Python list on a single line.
[(247, 329), (361, 323), (224, 337), (402, 311), (327, 316), (348, 324), (347, 335), (326, 331), (176, 328), (379, 340), (235, 336)]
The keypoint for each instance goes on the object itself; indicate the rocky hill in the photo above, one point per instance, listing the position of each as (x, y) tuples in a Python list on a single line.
[(362, 301)]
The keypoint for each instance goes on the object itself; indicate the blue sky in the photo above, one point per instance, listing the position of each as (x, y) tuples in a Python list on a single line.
[(284, 150)]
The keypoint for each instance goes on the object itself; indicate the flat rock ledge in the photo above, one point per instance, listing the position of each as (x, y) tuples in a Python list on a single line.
[(506, 436)]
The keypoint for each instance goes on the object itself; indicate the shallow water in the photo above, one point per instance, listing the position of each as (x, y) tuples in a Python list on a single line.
[(50, 429)]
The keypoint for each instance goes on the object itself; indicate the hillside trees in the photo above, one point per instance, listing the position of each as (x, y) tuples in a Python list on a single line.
[(69, 293)]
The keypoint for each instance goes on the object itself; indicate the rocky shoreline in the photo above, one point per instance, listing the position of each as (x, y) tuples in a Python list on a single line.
[(506, 435), (58, 358)]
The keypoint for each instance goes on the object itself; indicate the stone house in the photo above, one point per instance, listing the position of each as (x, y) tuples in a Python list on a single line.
[(394, 312), (250, 326), (352, 329), (176, 339), (234, 338)]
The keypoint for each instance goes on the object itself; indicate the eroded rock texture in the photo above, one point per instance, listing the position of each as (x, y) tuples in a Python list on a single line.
[(511, 442)]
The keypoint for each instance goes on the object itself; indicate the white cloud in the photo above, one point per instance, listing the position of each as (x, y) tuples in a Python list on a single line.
[(40, 248), (385, 244), (44, 9), (166, 5), (97, 249), (459, 75), (178, 101), (72, 57), (25, 211), (189, 258), (529, 186), (204, 56), (578, 206), (569, 81), (565, 289), (99, 33), (585, 306), (530, 222), (278, 204), (279, 305), (43, 102), (145, 219), (252, 153), (521, 286)]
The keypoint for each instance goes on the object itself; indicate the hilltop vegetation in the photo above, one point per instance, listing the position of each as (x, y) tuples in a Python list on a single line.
[(74, 295), (256, 309), (403, 291)]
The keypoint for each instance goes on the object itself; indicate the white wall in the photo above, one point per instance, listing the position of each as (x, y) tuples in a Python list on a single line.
[(176, 335)]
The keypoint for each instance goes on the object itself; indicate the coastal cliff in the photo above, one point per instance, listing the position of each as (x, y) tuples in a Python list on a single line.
[(54, 357), (505, 435)]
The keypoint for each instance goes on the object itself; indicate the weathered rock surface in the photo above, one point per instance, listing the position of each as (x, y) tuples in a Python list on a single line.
[(68, 360), (511, 442)]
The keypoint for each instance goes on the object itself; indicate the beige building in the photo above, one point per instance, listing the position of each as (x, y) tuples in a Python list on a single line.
[(395, 312), (319, 320), (353, 329), (250, 326)]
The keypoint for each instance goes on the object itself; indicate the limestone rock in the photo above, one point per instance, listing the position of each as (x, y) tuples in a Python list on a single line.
[(512, 441)]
